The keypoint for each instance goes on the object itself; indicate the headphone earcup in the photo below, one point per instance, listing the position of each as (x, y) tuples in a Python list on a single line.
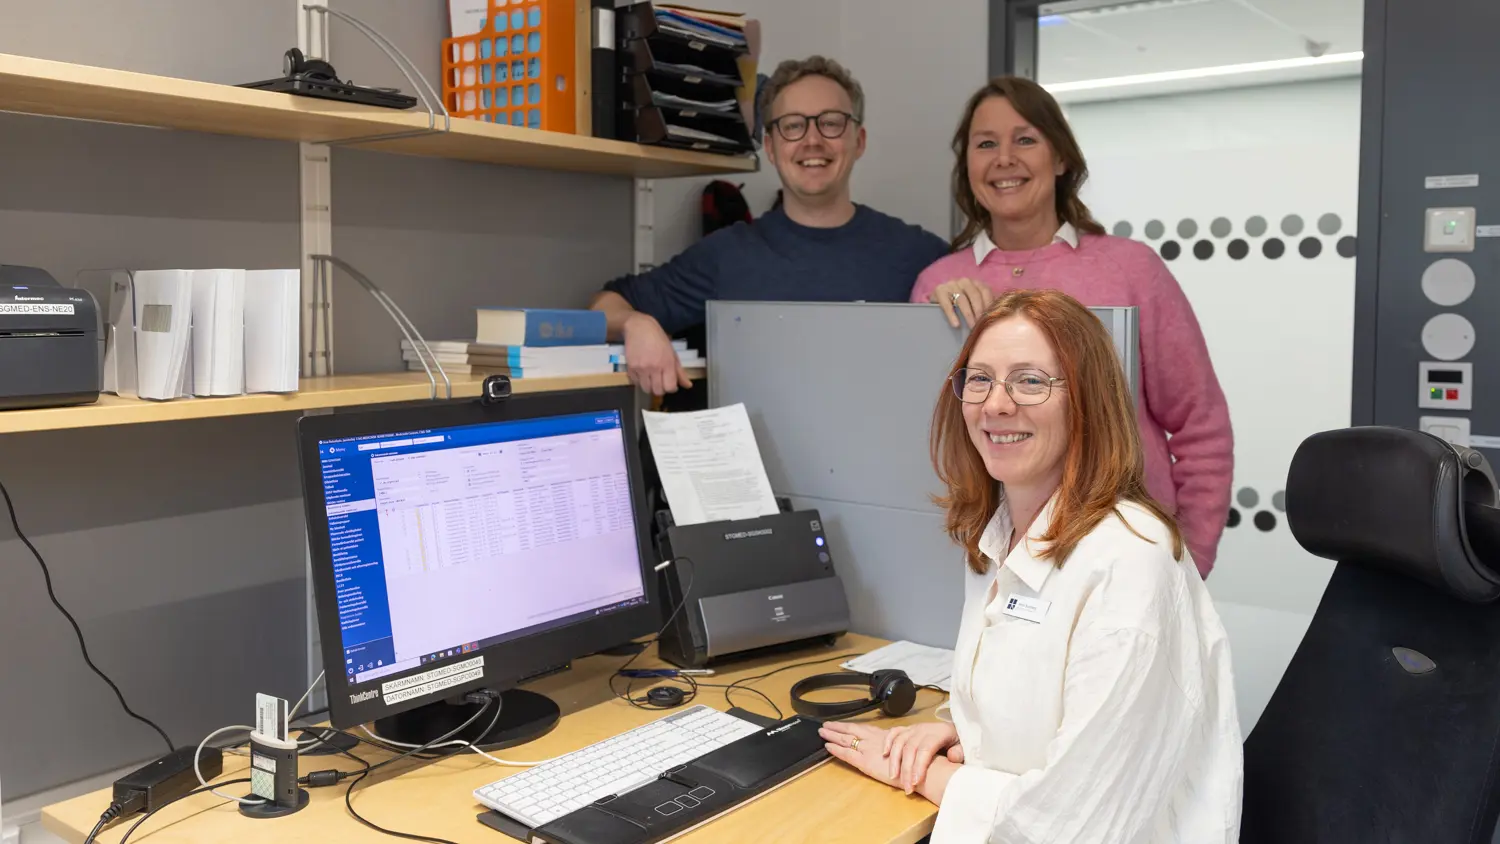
[(894, 691), (293, 62)]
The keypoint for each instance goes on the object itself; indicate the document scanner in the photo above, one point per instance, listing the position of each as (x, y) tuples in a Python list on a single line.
[(49, 341), (753, 586)]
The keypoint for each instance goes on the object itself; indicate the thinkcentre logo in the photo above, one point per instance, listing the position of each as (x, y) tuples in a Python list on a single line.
[(747, 534), (364, 696)]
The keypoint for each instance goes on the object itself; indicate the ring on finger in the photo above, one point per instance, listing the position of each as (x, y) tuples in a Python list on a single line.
[(956, 296), (854, 743)]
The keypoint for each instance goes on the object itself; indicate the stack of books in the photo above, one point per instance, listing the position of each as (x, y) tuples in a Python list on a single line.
[(524, 343), (688, 357), (535, 343)]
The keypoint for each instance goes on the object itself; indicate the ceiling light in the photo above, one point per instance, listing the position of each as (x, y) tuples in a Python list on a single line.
[(1203, 72)]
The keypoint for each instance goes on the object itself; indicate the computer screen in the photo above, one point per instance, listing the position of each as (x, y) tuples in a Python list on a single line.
[(452, 550)]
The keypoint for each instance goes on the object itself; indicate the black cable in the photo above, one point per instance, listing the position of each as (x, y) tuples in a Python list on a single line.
[(359, 776), (681, 678), (739, 684), (95, 832), (82, 646), (134, 826)]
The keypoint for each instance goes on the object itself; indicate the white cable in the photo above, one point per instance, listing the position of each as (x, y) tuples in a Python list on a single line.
[(459, 743), (292, 713), (198, 770)]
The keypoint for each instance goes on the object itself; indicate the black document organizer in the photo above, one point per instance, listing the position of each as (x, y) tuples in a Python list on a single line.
[(650, 62)]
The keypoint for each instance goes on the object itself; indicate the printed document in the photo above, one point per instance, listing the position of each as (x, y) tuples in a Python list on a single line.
[(710, 466), (926, 666)]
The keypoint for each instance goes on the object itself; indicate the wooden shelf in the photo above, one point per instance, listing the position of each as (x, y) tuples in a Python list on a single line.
[(60, 89), (315, 394)]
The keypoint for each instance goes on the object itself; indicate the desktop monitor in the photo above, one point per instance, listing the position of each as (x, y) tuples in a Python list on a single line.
[(466, 546)]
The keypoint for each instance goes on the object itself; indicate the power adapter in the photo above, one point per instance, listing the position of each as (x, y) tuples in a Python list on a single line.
[(159, 783)]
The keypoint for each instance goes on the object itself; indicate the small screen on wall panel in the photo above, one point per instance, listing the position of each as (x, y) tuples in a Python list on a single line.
[(1444, 376)]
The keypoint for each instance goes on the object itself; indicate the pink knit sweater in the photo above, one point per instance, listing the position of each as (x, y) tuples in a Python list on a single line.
[(1192, 472)]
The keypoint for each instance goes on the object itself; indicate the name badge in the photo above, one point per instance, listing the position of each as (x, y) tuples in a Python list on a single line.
[(1027, 609)]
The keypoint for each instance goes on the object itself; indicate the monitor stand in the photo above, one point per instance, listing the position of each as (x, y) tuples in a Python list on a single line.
[(524, 715)]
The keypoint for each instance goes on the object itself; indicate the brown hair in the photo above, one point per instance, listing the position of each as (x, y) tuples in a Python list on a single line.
[(795, 70), (1039, 109), (1104, 465)]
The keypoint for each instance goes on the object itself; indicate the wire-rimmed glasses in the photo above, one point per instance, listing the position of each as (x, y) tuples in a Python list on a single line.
[(1025, 386)]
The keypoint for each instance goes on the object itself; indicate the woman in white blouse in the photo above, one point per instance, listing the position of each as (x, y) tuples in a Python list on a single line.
[(1093, 701)]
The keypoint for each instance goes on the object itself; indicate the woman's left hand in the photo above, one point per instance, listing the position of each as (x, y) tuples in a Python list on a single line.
[(861, 745)]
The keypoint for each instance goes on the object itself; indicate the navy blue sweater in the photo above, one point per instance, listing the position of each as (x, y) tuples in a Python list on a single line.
[(873, 258)]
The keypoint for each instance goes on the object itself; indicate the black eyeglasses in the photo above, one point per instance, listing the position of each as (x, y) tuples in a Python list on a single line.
[(1025, 386), (831, 124)]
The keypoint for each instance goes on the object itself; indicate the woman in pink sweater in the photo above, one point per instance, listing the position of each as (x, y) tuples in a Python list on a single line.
[(1017, 179)]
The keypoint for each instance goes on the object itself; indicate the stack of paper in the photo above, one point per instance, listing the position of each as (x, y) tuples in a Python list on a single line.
[(163, 331), (272, 330), (925, 665), (218, 336)]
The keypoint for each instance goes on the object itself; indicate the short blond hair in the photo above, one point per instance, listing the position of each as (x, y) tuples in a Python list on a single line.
[(795, 70)]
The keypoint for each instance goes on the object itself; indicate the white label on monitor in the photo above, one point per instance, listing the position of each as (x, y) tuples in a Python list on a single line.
[(427, 682)]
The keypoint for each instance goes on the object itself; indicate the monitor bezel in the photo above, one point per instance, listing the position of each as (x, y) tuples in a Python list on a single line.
[(508, 663)]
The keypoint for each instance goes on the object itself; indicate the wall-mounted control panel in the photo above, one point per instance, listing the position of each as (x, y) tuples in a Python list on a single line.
[(1449, 230), (1445, 386)]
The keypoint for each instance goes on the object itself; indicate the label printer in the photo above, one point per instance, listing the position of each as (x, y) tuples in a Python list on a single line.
[(752, 586), (49, 341)]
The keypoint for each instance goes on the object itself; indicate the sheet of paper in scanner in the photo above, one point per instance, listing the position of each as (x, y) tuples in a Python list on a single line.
[(710, 465)]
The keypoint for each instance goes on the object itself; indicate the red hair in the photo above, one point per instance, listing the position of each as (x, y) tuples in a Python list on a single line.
[(1105, 464)]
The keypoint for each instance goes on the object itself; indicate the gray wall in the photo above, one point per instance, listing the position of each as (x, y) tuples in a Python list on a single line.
[(1426, 66), (180, 546)]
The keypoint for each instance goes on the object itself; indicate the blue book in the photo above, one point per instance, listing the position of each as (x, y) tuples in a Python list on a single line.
[(540, 327)]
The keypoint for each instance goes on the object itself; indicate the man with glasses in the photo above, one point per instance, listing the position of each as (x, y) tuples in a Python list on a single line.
[(817, 245)]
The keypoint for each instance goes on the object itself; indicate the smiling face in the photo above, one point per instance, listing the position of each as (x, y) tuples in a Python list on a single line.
[(1023, 446), (814, 168), (1013, 170)]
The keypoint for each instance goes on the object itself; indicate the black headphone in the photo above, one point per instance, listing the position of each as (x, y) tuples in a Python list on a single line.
[(890, 690), (295, 63)]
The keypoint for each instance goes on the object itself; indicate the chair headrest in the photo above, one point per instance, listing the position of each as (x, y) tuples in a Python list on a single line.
[(1399, 500)]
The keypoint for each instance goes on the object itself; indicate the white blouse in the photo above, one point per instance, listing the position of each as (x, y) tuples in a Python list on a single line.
[(1095, 702)]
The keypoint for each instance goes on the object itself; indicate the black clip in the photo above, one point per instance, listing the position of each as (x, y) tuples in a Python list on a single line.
[(496, 389)]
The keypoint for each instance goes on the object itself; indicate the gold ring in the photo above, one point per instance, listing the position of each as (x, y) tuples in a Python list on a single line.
[(854, 743)]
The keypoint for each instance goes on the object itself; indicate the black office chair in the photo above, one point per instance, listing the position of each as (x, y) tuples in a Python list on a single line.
[(1386, 725)]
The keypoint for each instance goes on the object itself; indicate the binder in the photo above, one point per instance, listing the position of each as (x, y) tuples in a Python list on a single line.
[(603, 68)]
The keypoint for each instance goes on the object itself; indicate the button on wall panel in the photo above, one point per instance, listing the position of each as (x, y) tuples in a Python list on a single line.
[(1449, 230), (1448, 336), (1454, 429), (1448, 282)]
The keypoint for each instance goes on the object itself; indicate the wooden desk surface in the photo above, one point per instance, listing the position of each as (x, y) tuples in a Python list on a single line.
[(830, 805)]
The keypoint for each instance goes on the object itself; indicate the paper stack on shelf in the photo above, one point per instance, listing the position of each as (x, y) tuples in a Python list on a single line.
[(272, 330), (163, 332), (218, 336), (214, 332)]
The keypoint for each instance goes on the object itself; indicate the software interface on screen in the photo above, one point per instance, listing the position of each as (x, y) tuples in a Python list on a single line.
[(449, 540)]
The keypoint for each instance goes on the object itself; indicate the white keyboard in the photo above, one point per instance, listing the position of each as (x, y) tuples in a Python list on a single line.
[(616, 765)]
